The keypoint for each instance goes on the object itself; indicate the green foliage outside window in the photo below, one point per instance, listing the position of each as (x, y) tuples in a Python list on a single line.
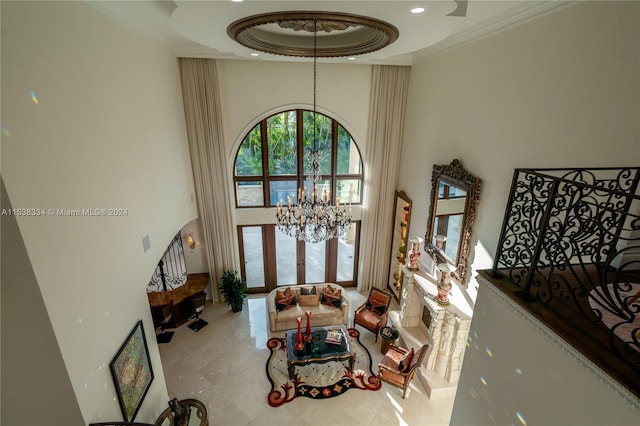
[(280, 143), (323, 139), (348, 157), (249, 158)]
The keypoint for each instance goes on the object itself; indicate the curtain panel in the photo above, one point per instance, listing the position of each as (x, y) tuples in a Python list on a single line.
[(201, 97), (389, 89)]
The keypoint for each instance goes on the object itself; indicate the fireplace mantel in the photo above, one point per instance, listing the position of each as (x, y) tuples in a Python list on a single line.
[(446, 333)]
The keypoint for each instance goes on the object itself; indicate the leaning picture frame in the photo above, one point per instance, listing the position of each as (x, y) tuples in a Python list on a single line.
[(132, 372)]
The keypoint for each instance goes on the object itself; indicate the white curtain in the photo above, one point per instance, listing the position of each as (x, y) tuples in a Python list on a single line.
[(389, 88), (201, 97)]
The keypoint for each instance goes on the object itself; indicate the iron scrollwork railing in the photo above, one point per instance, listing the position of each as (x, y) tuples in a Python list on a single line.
[(570, 241), (171, 271)]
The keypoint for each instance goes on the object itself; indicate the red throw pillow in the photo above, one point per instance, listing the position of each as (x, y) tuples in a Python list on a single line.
[(405, 361), (285, 303), (332, 299), (281, 295)]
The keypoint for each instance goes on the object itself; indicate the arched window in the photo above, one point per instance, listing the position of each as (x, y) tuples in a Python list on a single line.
[(270, 166)]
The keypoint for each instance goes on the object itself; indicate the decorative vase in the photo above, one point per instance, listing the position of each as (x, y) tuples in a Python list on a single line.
[(307, 337), (444, 285), (299, 345), (414, 253), (440, 240)]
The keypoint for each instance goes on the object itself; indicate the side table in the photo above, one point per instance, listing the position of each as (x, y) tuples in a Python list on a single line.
[(389, 336)]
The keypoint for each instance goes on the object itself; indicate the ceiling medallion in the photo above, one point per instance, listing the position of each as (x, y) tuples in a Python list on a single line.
[(310, 25), (339, 34)]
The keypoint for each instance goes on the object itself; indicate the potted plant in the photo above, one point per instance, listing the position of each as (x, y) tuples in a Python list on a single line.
[(233, 289)]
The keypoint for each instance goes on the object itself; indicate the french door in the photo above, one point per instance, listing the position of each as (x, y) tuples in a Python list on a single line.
[(270, 258)]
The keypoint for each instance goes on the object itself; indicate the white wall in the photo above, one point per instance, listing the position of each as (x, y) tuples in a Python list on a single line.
[(517, 372), (27, 335), (195, 258), (107, 132), (560, 91), (252, 90)]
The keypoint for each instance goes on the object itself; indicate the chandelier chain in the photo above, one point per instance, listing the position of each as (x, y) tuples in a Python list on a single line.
[(313, 217)]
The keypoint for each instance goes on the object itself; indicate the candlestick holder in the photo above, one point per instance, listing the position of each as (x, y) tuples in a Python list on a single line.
[(299, 345), (307, 337)]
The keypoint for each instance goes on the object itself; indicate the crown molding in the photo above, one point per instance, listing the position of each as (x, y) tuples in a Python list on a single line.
[(495, 25)]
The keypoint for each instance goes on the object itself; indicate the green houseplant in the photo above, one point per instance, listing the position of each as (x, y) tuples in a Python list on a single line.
[(233, 289)]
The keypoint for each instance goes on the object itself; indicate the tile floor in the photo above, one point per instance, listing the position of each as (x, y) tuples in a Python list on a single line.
[(223, 365)]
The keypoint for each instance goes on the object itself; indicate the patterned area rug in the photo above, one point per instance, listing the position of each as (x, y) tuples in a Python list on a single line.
[(623, 320), (317, 381)]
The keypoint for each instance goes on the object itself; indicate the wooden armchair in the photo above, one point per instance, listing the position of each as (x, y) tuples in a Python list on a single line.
[(372, 315), (399, 364)]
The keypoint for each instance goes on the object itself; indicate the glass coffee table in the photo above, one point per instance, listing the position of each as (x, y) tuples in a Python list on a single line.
[(318, 351)]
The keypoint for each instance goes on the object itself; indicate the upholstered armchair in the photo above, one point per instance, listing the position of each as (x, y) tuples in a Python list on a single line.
[(399, 364), (372, 315)]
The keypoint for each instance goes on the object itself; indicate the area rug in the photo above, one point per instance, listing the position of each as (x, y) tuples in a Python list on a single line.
[(618, 307), (317, 381)]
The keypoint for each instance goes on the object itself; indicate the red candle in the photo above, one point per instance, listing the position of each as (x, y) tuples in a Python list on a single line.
[(299, 346), (307, 338)]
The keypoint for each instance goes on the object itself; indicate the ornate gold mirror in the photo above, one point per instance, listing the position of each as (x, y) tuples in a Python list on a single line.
[(454, 195)]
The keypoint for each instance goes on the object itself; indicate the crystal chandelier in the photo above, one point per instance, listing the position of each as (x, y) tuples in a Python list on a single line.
[(312, 217)]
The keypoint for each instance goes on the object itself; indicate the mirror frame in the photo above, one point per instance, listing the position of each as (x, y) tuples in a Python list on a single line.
[(455, 175)]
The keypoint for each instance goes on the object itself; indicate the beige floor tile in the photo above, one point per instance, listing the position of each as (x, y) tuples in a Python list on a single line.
[(223, 365)]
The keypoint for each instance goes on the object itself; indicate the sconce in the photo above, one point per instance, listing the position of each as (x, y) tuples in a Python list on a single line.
[(191, 242)]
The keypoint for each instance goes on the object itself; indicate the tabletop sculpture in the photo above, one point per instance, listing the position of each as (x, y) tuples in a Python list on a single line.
[(181, 412)]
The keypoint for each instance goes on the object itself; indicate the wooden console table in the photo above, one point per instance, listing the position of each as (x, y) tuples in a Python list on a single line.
[(181, 298)]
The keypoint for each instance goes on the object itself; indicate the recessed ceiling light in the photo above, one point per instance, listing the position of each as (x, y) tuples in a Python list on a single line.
[(253, 54), (236, 1), (352, 58), (417, 10)]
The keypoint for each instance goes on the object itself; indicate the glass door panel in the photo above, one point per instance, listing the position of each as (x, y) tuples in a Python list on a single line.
[(253, 256), (315, 262), (286, 259), (346, 255)]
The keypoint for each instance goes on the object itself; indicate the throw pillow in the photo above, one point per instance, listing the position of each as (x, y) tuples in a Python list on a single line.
[(334, 291), (376, 305), (332, 299), (285, 303), (282, 295), (405, 361)]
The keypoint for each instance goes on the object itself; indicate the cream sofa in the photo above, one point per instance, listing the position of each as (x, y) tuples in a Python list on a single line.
[(321, 314)]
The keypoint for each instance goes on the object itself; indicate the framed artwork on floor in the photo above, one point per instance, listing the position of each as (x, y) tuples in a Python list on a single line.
[(132, 372)]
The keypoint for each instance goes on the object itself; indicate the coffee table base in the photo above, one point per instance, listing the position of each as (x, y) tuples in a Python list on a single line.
[(292, 366)]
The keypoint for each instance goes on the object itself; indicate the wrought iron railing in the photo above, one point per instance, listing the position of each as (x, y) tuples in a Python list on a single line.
[(570, 244), (171, 271)]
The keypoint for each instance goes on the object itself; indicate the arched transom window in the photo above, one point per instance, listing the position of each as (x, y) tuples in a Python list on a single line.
[(270, 163)]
